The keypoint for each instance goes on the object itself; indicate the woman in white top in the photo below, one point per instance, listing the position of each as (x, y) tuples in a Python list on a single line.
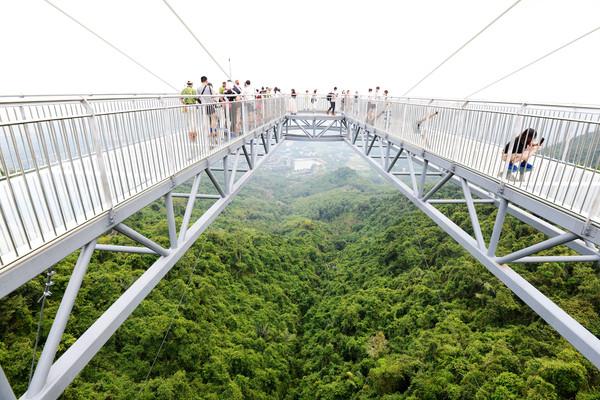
[(313, 100), (293, 106), (249, 97)]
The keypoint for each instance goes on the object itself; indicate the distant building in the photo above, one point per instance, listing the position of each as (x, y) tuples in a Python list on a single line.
[(307, 164)]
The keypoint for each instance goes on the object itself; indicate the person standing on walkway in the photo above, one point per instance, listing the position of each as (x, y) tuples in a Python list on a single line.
[(370, 107), (386, 111), (188, 99), (249, 100), (206, 97), (313, 100), (293, 106), (331, 96), (237, 88), (236, 108), (230, 96)]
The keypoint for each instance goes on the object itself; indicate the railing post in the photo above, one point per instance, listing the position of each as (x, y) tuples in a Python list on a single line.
[(97, 143), (244, 117), (253, 151), (172, 159)]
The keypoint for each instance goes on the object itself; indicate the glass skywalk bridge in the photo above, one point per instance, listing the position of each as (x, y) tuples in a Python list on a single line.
[(73, 168), (566, 171), (63, 162)]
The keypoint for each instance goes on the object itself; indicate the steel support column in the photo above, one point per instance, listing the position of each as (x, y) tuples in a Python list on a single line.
[(413, 178), (423, 176), (141, 239), (473, 215), (438, 185), (124, 249), (44, 364), (396, 157), (583, 340), (187, 215), (66, 368), (6, 392), (233, 171), (546, 244), (227, 174), (215, 183), (502, 207), (246, 155), (171, 219)]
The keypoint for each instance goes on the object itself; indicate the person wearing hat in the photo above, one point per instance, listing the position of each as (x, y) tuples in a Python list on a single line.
[(188, 91), (188, 98)]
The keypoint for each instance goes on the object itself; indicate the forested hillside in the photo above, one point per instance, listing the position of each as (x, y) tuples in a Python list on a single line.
[(319, 286), (582, 150)]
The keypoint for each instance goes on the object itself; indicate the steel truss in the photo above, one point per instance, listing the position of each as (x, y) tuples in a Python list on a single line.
[(314, 127), (383, 151), (235, 165), (228, 171)]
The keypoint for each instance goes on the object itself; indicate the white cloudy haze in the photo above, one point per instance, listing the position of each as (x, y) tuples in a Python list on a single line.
[(351, 44)]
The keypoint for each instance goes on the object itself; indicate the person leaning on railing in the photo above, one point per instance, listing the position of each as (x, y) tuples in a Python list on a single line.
[(523, 147), (188, 99)]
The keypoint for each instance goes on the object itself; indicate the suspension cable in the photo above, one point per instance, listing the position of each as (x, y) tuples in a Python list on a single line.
[(196, 38), (171, 322), (529, 64), (47, 293), (136, 62), (461, 47)]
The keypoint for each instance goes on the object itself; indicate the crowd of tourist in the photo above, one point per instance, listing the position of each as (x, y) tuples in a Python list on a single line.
[(233, 91), (222, 113)]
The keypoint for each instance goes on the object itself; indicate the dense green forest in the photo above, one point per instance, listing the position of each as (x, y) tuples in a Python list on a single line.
[(327, 285), (582, 150)]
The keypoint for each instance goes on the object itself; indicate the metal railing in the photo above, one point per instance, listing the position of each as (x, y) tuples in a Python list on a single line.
[(64, 161), (308, 103), (566, 168)]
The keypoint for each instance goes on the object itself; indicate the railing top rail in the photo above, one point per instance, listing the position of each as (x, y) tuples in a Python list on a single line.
[(77, 99), (49, 98), (507, 103), (502, 112)]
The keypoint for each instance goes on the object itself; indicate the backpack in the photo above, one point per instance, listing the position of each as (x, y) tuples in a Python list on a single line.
[(329, 96), (206, 100)]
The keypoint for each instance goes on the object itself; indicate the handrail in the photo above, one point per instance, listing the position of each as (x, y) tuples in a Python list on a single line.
[(65, 162), (19, 98), (61, 158), (566, 169)]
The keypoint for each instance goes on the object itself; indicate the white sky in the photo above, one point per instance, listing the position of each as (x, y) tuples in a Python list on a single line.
[(308, 44)]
